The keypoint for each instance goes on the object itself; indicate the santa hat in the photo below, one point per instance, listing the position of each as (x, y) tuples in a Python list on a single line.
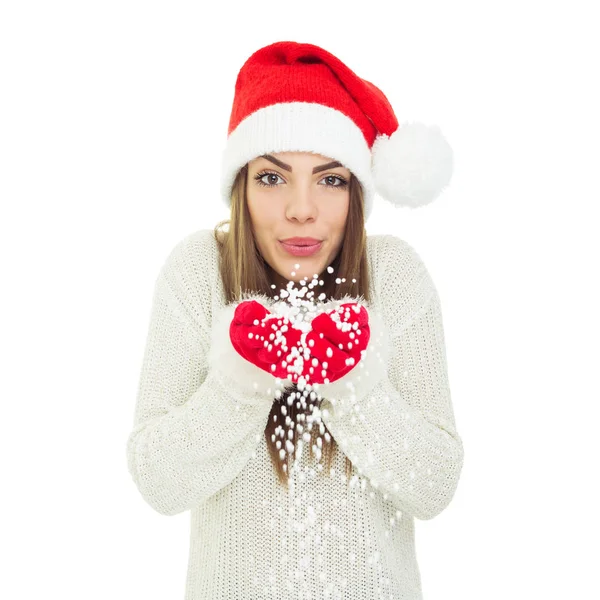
[(294, 97)]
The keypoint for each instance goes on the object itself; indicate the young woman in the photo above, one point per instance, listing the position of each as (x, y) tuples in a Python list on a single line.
[(294, 393)]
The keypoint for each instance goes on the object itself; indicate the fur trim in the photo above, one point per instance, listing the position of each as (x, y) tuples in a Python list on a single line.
[(249, 381), (371, 369), (298, 126), (236, 372)]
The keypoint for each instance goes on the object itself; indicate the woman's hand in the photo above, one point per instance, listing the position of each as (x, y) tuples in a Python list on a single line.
[(337, 339), (262, 338), (335, 342)]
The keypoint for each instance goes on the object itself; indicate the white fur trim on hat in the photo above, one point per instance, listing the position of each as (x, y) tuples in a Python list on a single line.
[(298, 127)]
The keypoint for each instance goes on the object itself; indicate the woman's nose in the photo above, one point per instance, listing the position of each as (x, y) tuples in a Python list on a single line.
[(301, 205)]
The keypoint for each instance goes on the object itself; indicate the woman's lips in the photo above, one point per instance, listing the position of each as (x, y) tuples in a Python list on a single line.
[(296, 250)]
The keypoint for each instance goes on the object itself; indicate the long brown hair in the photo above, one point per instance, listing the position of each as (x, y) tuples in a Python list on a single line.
[(243, 269)]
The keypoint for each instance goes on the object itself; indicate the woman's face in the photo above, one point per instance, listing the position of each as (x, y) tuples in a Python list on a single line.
[(298, 195)]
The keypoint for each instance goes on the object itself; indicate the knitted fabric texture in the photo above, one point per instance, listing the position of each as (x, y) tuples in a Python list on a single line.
[(198, 444)]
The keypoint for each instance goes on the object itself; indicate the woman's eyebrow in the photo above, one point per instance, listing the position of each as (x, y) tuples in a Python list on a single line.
[(287, 167)]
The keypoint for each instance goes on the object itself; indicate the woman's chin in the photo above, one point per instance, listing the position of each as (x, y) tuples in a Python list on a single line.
[(304, 272)]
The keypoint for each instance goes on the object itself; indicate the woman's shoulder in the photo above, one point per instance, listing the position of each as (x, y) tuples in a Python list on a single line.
[(389, 253), (191, 265), (400, 279), (193, 250), (198, 239)]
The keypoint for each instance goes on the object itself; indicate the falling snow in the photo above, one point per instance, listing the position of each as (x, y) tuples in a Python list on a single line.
[(303, 442)]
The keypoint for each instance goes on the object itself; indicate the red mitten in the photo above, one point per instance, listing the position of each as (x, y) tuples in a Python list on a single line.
[(253, 333), (353, 333)]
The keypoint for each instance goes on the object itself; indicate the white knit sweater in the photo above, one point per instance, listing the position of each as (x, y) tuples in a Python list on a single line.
[(198, 442)]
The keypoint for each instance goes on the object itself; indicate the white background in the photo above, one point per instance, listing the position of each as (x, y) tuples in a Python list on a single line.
[(113, 116)]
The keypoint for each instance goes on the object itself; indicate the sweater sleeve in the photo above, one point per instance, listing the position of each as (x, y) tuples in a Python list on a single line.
[(192, 432), (401, 434)]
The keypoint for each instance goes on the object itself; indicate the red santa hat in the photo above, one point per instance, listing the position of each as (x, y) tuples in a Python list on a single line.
[(294, 97)]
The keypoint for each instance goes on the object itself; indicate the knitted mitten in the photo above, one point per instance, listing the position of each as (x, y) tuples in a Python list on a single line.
[(333, 346)]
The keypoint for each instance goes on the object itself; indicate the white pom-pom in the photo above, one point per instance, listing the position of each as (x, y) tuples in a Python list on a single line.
[(412, 166)]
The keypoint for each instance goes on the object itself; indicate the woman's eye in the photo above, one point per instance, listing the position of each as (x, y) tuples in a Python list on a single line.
[(333, 178), (271, 179)]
